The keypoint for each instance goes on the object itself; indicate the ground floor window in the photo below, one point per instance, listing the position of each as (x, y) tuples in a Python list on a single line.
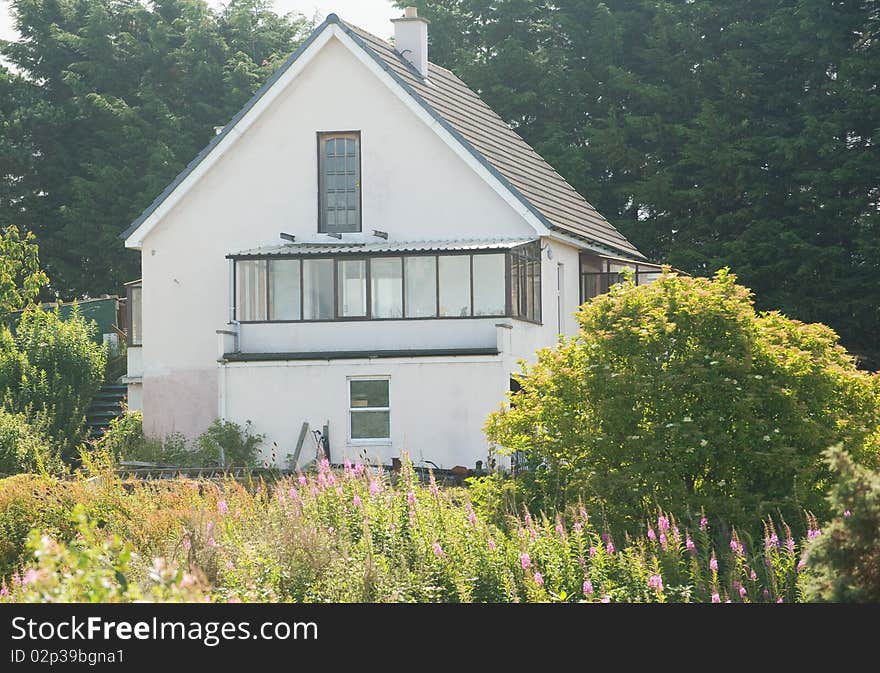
[(369, 409)]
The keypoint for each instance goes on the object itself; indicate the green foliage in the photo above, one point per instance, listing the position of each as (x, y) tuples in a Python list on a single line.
[(678, 395), (23, 449), (736, 133), (354, 536), (125, 440), (20, 274), (113, 100), (844, 561), (92, 568), (50, 371)]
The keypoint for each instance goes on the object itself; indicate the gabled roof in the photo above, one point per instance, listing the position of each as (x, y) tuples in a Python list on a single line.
[(482, 133)]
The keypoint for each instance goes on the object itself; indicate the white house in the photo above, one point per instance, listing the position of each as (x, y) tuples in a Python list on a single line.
[(365, 246)]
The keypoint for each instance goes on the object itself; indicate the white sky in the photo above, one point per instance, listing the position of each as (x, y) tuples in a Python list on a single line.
[(371, 15)]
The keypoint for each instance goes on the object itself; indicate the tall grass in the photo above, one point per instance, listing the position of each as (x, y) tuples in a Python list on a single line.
[(357, 535)]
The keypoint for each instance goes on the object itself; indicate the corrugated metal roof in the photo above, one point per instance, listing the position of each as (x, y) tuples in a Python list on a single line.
[(459, 245), (482, 132)]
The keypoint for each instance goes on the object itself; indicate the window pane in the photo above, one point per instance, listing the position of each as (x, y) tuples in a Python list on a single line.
[(535, 302), (284, 298), (421, 287), (352, 288), (369, 394), (339, 168), (489, 285), (318, 289), (387, 287), (370, 425), (514, 284), (136, 331), (250, 290), (455, 285)]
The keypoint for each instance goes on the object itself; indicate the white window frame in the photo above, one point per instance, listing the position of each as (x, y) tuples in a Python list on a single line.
[(371, 441)]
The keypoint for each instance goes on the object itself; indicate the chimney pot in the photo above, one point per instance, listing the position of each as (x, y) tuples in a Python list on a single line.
[(411, 12)]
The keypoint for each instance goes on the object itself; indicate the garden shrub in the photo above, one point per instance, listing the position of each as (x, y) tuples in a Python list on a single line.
[(844, 561), (125, 440), (50, 371), (678, 395), (23, 449)]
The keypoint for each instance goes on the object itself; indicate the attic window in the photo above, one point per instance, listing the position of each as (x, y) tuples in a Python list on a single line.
[(339, 182)]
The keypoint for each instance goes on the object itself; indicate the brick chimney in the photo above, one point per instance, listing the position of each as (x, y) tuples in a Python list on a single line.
[(411, 39)]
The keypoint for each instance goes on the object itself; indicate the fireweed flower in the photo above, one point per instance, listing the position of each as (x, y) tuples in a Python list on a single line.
[(358, 469), (676, 534), (525, 560), (789, 544), (411, 499), (592, 552), (293, 493), (703, 522), (743, 592), (716, 598), (30, 576), (339, 490), (492, 545), (438, 551), (656, 582), (356, 501), (663, 541), (651, 535), (583, 513), (847, 514), (471, 515), (689, 544), (578, 527), (588, 587), (753, 576), (229, 565), (222, 507), (186, 544), (801, 565), (560, 529), (4, 590), (302, 479), (713, 563), (212, 542), (606, 598), (609, 548), (662, 523), (539, 579), (813, 534), (374, 488)]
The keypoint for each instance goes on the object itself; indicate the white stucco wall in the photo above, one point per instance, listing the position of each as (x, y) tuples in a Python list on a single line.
[(438, 406), (414, 187)]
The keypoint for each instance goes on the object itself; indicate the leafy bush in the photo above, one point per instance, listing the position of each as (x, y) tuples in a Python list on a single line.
[(678, 395), (20, 275), (23, 449), (92, 568), (845, 560), (50, 371), (125, 440), (353, 536)]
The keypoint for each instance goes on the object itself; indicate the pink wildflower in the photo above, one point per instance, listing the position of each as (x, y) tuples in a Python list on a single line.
[(592, 552), (801, 565), (689, 544), (492, 545), (662, 523), (716, 598), (656, 582), (30, 576), (606, 599), (358, 469), (302, 479), (578, 527), (847, 514), (212, 542), (651, 535), (222, 507), (703, 522), (743, 592), (525, 560), (713, 563), (229, 565), (610, 546), (789, 544), (779, 600), (186, 544), (438, 551), (356, 501), (539, 579), (293, 493), (560, 529), (753, 576), (663, 541), (4, 590), (588, 587), (411, 498), (374, 488), (583, 513)]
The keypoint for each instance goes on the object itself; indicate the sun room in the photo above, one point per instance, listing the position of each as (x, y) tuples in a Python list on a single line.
[(443, 297)]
